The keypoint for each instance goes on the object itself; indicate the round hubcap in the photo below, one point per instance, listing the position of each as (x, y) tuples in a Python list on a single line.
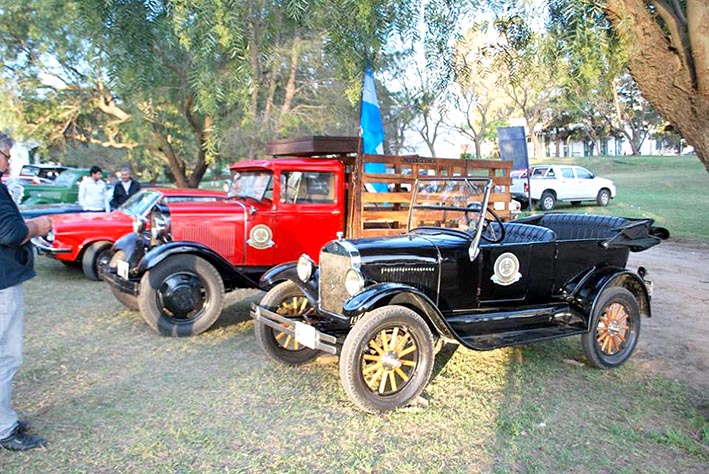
[(291, 307), (613, 329), (389, 361), (182, 295)]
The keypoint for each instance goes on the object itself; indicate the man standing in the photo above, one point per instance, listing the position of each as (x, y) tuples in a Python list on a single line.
[(92, 191), (124, 189), (16, 267)]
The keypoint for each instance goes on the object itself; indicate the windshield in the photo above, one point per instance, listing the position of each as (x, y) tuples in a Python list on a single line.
[(251, 184), (139, 203), (65, 178), (452, 203)]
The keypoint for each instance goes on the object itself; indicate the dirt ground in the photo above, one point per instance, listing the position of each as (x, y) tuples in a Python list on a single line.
[(675, 340)]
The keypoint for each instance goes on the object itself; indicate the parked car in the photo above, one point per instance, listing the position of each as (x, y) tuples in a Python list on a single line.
[(85, 239), (64, 189), (280, 208), (41, 173), (381, 303), (549, 184)]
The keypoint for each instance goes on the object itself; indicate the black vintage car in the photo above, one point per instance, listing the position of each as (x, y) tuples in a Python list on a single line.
[(459, 275)]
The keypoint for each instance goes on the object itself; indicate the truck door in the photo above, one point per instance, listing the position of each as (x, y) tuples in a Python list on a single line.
[(310, 212)]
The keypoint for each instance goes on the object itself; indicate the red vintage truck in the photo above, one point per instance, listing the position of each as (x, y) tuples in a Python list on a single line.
[(313, 189)]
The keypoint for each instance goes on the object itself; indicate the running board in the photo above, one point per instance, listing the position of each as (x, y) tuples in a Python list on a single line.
[(486, 342)]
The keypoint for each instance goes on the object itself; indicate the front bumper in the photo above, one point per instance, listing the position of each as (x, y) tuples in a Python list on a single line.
[(121, 284), (44, 247), (305, 334)]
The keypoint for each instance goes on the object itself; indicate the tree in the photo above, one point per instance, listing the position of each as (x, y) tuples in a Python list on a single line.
[(477, 96), (668, 52)]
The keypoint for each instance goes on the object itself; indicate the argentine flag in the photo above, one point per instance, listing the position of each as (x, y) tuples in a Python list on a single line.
[(372, 130)]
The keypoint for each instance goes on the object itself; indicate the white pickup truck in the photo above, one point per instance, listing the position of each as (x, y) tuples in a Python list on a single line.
[(552, 183)]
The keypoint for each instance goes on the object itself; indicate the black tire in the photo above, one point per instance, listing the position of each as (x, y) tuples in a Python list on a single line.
[(129, 301), (287, 300), (615, 328), (547, 201), (182, 296), (604, 197), (575, 203), (97, 254), (366, 347)]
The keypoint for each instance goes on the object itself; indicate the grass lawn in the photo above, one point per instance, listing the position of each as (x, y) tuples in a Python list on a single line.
[(673, 190), (112, 396)]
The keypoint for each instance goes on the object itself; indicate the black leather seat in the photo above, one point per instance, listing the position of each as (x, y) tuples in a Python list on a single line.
[(525, 233), (580, 226)]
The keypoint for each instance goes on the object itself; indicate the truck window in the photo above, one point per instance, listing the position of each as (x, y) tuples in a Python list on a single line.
[(252, 184), (567, 173), (582, 173), (307, 187), (539, 172)]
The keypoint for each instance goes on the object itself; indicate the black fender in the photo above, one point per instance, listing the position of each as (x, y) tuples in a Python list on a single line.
[(383, 294), (133, 246), (288, 272), (590, 286), (232, 276)]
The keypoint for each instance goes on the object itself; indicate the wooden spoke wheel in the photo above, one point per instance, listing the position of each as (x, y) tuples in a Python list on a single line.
[(287, 300), (386, 359), (389, 361), (614, 329)]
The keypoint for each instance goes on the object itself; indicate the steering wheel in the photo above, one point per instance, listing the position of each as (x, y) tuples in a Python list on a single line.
[(493, 230)]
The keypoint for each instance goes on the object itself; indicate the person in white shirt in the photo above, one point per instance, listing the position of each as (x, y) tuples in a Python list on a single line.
[(92, 191)]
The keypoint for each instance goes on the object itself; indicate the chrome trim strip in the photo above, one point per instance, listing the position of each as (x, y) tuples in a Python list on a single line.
[(45, 247)]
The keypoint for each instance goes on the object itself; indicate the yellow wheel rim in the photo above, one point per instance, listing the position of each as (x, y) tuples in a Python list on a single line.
[(613, 329), (292, 308), (389, 361)]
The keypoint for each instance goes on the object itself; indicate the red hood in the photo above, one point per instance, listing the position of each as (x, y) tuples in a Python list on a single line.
[(88, 220)]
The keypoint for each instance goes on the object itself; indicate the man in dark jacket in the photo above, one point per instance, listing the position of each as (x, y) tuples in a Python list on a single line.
[(124, 188), (16, 267)]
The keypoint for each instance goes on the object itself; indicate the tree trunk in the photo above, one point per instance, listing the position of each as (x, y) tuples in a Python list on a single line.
[(672, 72)]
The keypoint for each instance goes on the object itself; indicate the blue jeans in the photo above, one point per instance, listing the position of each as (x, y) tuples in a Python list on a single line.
[(12, 325)]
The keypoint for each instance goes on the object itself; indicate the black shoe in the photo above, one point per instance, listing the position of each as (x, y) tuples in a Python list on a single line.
[(23, 426), (19, 441)]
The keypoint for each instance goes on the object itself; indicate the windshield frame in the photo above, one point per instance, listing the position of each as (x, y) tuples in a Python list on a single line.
[(155, 197), (485, 183)]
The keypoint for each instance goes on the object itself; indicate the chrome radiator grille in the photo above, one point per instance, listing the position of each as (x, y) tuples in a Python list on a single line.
[(333, 269)]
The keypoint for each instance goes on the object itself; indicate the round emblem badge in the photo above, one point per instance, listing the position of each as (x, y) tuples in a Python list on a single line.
[(260, 237), (506, 269)]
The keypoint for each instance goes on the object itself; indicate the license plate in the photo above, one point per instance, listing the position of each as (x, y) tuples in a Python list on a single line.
[(122, 268), (306, 334)]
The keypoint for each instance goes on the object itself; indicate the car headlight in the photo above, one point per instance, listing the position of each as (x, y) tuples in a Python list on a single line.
[(139, 225), (305, 268), (354, 282)]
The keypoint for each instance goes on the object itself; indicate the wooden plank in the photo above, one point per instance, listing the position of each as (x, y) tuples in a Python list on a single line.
[(385, 215), (400, 198)]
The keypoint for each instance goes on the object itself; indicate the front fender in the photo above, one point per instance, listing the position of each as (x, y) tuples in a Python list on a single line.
[(133, 246), (232, 277), (287, 272), (590, 286), (383, 294)]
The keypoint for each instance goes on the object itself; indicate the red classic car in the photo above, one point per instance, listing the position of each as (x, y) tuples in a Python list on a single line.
[(85, 239)]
